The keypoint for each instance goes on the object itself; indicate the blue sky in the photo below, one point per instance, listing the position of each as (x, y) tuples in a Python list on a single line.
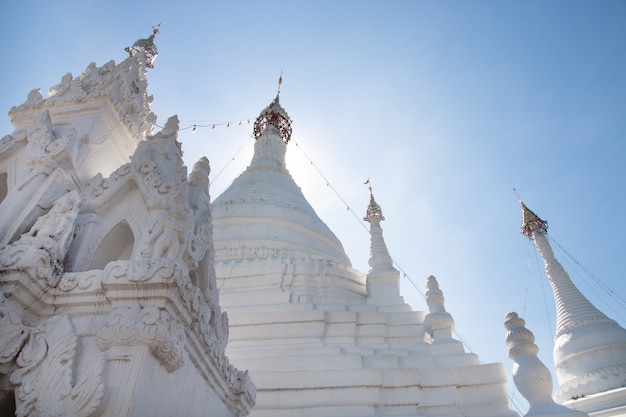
[(444, 105)]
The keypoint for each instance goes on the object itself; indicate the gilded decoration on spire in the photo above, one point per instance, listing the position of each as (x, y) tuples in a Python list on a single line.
[(146, 46), (373, 209), (276, 116), (531, 222)]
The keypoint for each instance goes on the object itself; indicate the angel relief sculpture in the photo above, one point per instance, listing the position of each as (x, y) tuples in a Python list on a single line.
[(53, 231)]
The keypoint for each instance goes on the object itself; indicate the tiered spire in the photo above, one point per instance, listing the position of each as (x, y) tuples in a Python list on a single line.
[(379, 255), (590, 348), (383, 279)]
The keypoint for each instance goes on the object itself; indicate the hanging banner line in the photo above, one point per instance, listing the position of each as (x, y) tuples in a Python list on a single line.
[(206, 124)]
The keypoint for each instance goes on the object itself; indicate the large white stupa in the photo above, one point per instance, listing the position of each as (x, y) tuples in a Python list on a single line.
[(318, 337)]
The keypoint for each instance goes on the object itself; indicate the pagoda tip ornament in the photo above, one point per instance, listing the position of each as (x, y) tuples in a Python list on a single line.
[(276, 116), (146, 46), (531, 222), (373, 209)]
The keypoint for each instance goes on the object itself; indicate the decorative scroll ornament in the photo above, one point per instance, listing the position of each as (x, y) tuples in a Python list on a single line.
[(45, 377), (531, 222), (145, 326), (146, 46), (276, 116)]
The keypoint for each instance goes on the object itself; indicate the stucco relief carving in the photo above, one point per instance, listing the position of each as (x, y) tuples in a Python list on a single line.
[(141, 271), (53, 232), (44, 378), (41, 182), (166, 236), (9, 142), (129, 326), (82, 281), (12, 338), (160, 173), (160, 293), (42, 249), (124, 83), (98, 187)]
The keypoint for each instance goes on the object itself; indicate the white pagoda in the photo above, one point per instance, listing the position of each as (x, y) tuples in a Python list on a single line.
[(589, 347), (318, 337)]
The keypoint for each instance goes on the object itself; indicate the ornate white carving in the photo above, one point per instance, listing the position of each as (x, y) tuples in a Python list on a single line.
[(200, 243), (145, 326), (147, 297), (44, 378), (125, 84), (42, 249), (12, 337), (10, 142), (83, 281), (165, 237), (164, 151)]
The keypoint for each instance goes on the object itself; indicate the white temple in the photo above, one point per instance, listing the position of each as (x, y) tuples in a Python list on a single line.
[(111, 257)]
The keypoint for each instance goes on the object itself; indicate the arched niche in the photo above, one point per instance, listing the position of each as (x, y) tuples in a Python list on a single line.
[(117, 245), (4, 186)]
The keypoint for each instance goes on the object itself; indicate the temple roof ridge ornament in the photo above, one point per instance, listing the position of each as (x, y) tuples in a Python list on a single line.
[(147, 46), (373, 209), (274, 115)]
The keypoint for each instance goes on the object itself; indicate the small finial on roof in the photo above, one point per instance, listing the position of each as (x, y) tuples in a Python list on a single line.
[(146, 46), (280, 81), (373, 209)]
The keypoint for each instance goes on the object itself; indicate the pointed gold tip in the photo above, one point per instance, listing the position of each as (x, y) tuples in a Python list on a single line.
[(531, 222)]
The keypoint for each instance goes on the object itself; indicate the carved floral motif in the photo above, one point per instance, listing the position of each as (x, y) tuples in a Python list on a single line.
[(44, 378), (13, 336), (145, 326)]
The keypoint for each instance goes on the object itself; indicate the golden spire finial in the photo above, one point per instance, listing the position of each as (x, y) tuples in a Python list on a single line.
[(530, 221), (373, 209)]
